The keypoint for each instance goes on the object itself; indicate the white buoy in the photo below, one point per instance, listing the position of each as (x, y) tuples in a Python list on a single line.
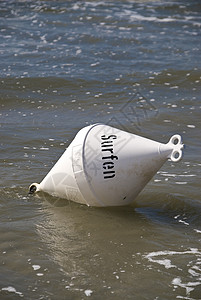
[(105, 166)]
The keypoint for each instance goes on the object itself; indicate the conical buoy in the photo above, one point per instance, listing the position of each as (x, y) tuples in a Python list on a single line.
[(105, 166)]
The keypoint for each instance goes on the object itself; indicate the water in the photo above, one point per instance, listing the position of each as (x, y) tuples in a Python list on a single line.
[(134, 65)]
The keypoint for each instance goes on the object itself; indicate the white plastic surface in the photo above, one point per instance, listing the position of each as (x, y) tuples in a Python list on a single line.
[(105, 166)]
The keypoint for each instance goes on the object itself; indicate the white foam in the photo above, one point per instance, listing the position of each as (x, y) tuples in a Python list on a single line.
[(177, 175), (185, 223), (194, 268), (189, 286), (36, 267), (134, 16), (198, 231), (11, 289), (152, 256), (75, 7), (165, 262), (193, 272), (88, 292)]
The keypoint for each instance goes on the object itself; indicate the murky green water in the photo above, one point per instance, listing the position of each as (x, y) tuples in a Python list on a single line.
[(131, 64)]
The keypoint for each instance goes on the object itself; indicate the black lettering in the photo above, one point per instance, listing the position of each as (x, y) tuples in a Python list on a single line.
[(107, 145), (103, 137), (110, 150), (108, 164), (111, 157), (109, 174)]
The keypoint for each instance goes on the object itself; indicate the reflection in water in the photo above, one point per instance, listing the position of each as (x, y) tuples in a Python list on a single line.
[(105, 250), (92, 246)]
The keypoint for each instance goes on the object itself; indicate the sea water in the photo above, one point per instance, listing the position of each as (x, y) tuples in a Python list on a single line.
[(134, 65)]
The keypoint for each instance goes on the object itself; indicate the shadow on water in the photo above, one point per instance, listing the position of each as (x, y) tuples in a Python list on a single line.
[(94, 246), (143, 224), (152, 205)]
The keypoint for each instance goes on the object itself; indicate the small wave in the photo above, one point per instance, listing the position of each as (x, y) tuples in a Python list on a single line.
[(135, 16)]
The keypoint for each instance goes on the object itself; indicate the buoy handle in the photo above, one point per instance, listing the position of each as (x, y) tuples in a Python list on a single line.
[(177, 146)]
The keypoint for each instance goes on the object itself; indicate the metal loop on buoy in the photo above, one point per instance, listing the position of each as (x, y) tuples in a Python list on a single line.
[(177, 146)]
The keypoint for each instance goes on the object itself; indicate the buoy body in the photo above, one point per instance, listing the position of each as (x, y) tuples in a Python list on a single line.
[(105, 166)]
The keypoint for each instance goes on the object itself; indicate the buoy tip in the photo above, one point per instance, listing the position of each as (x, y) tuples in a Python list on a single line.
[(33, 188), (177, 147)]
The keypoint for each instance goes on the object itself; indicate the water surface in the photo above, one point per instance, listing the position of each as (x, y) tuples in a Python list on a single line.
[(67, 64)]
